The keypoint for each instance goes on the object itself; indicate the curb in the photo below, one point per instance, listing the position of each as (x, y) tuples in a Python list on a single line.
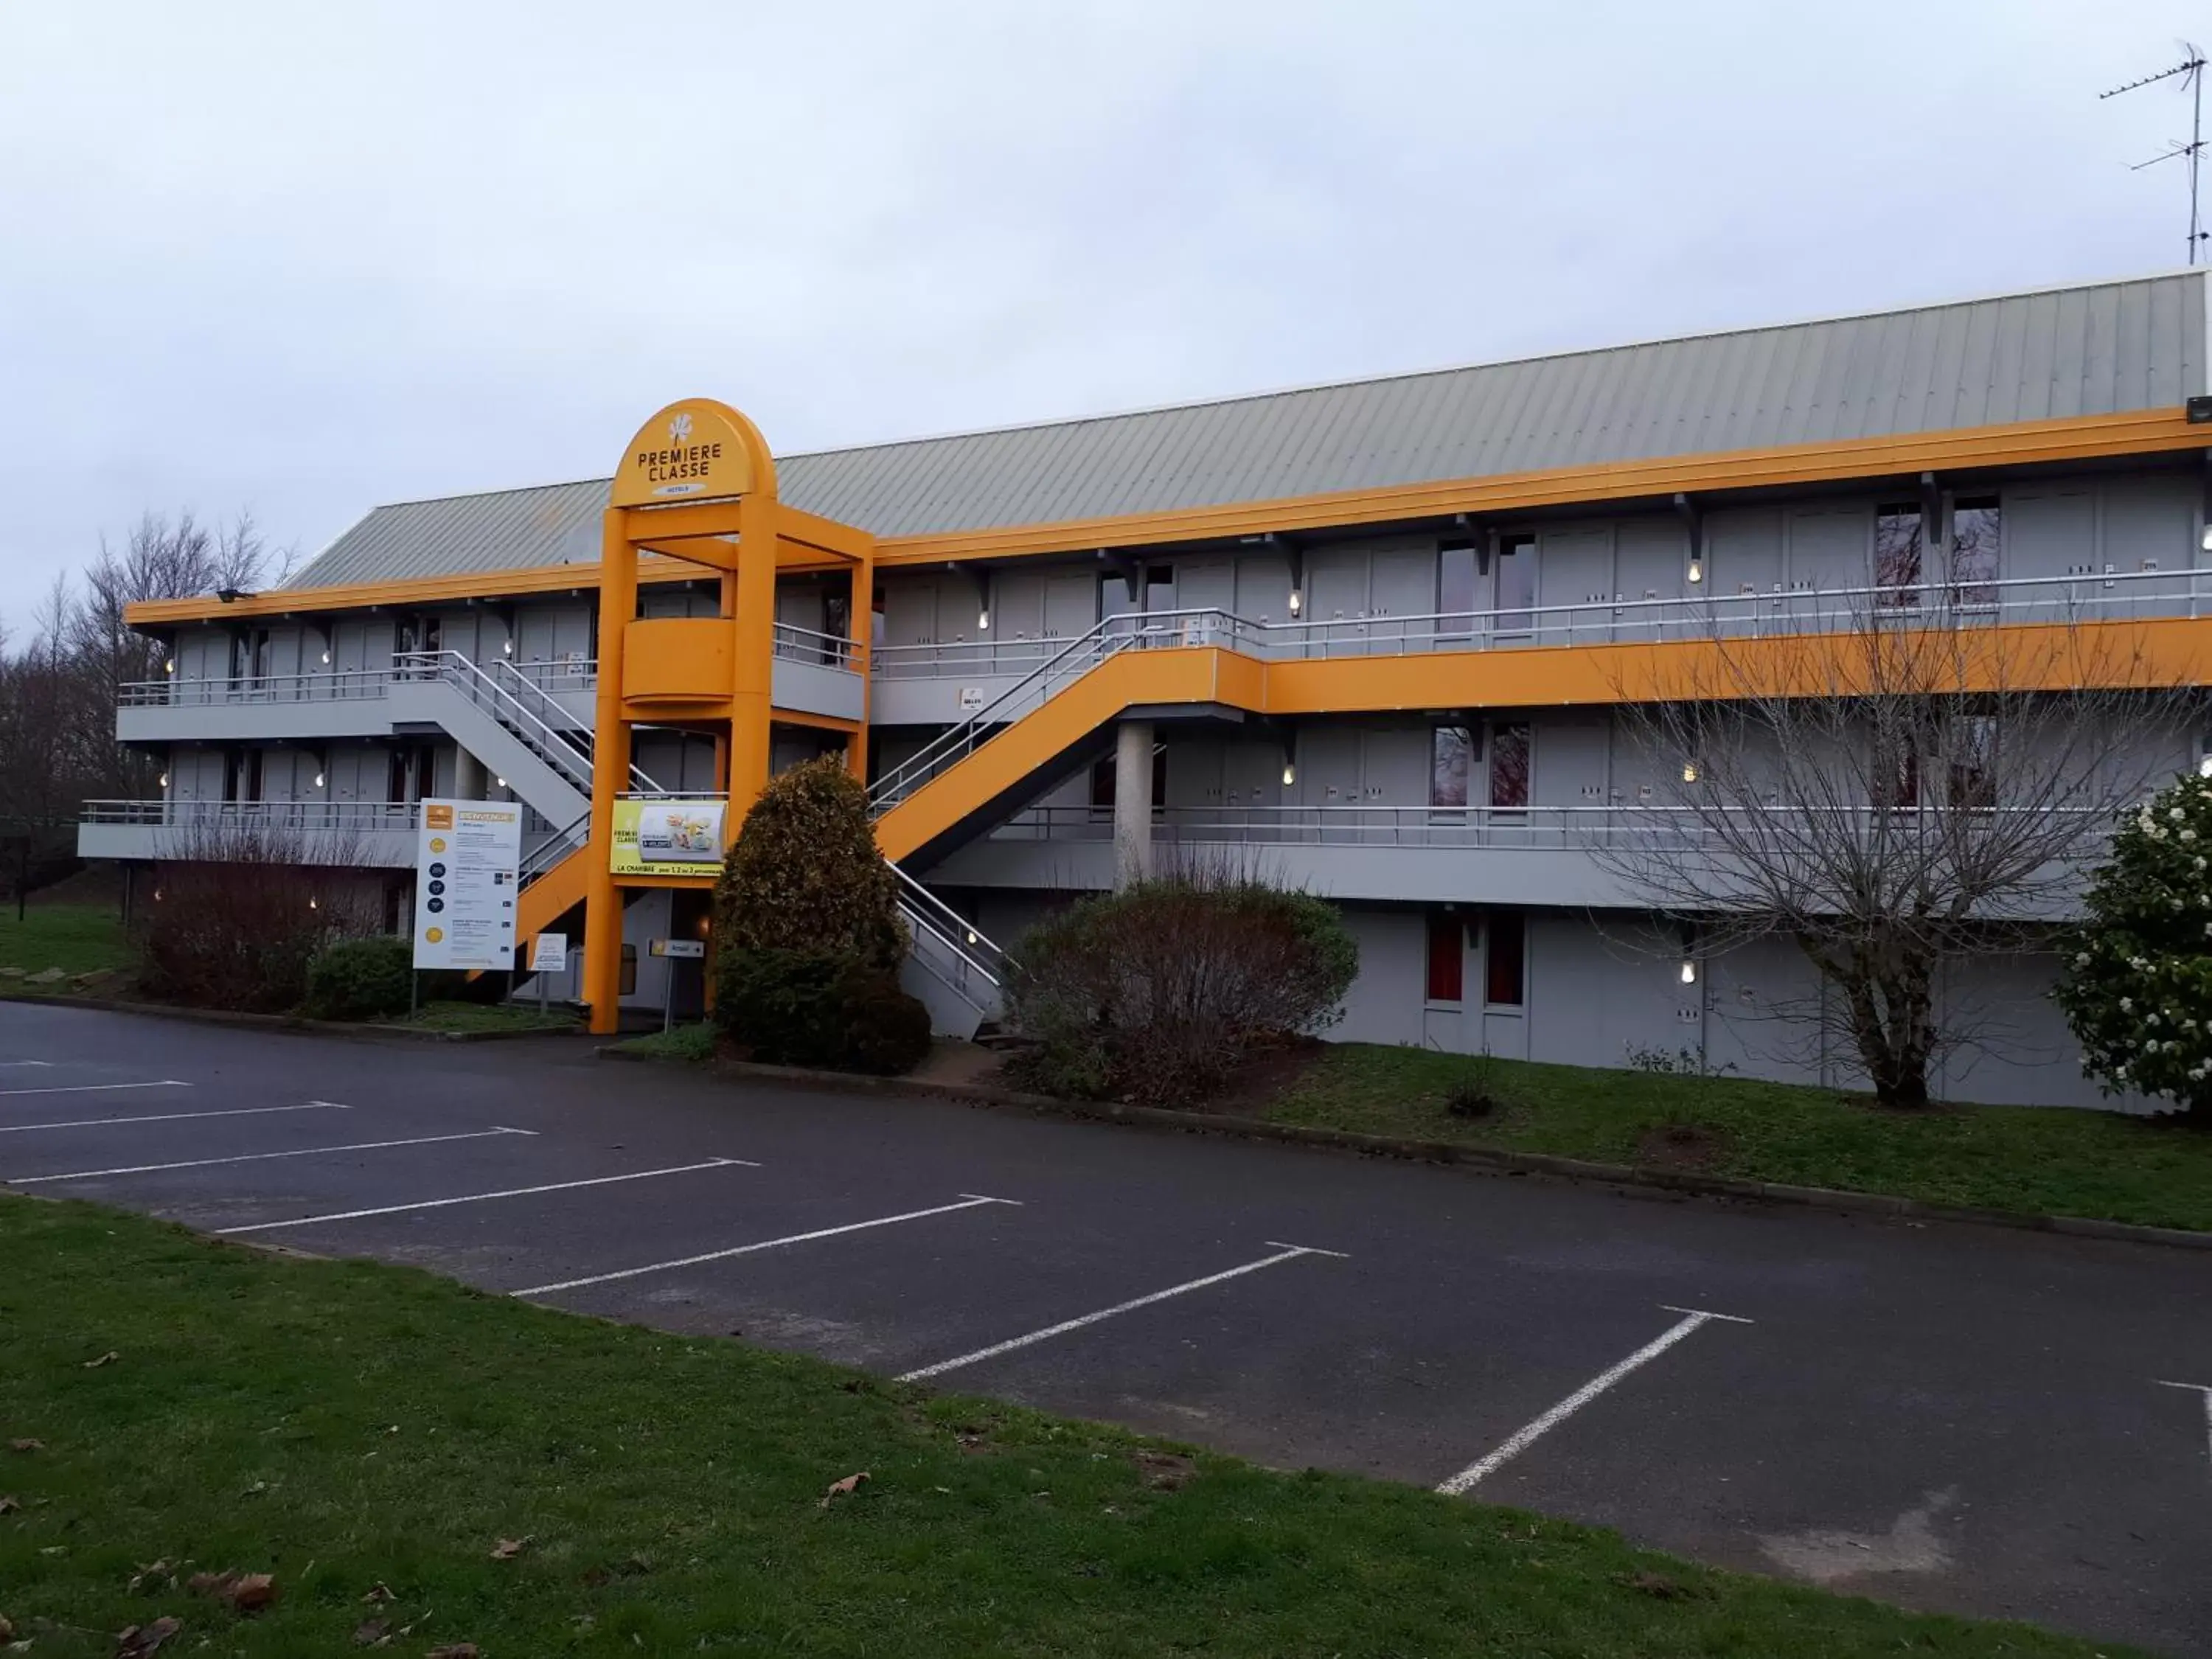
[(1481, 1160), (270, 1022)]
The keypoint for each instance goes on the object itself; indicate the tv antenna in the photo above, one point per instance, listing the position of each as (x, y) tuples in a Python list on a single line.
[(2190, 71)]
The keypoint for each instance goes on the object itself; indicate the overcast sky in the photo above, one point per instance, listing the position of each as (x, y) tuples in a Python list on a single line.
[(307, 258)]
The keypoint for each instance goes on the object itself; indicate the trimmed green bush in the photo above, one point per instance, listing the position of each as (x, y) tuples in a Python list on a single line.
[(805, 874), (777, 1005), (1155, 994), (360, 979), (2137, 985), (883, 1031)]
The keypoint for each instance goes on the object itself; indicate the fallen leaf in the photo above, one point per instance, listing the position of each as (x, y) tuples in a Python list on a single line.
[(7, 1630), (26, 1445), (253, 1592), (454, 1650), (372, 1633), (379, 1593), (107, 1358), (153, 1576), (9, 1503), (138, 1640), (1165, 1471), (247, 1592), (849, 1485), (508, 1548), (1658, 1584)]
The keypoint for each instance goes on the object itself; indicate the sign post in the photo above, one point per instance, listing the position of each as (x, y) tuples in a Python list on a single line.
[(549, 955), (676, 949), (465, 856)]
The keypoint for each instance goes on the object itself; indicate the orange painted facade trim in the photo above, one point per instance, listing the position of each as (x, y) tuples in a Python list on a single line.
[(2076, 438), (2089, 437)]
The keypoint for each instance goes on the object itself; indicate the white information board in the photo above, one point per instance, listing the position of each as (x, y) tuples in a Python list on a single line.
[(549, 954), (465, 854)]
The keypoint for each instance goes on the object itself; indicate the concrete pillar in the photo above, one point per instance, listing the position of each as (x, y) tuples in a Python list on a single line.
[(468, 776), (1133, 803)]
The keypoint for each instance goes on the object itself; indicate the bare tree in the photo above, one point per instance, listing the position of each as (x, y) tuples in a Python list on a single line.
[(1914, 789)]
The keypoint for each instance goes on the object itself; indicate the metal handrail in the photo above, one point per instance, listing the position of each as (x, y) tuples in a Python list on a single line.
[(546, 699), (936, 913), (323, 685), (1938, 598), (552, 747), (350, 814), (811, 645), (1155, 630), (1565, 828), (554, 848)]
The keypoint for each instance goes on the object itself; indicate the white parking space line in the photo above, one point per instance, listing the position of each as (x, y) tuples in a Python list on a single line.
[(969, 1201), (482, 1198), (257, 1157), (1529, 1434), (96, 1088), (4, 1064), (173, 1117), (1283, 1253), (2205, 1392)]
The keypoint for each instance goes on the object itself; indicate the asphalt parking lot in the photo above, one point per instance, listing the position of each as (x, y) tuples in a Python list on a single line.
[(1950, 1418)]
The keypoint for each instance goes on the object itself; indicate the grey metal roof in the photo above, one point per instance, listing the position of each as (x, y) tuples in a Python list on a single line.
[(2097, 349)]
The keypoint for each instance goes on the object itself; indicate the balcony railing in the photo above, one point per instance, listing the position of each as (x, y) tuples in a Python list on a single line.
[(317, 816), (807, 645), (334, 684), (1553, 829), (2111, 596)]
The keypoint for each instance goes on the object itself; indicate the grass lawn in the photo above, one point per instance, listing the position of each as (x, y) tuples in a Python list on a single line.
[(2043, 1161), (74, 938), (369, 1435), (472, 1017), (694, 1042)]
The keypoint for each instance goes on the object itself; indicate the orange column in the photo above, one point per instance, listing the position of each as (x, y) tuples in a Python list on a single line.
[(861, 613), (603, 906), (752, 656)]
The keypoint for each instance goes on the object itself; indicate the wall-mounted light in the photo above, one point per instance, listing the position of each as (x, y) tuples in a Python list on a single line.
[(1697, 572), (1689, 771), (502, 782), (2204, 764), (2205, 541), (507, 647), (170, 666), (983, 619), (165, 780), (313, 903), (157, 895), (1689, 972), (319, 780), (1290, 774), (1298, 601), (971, 936)]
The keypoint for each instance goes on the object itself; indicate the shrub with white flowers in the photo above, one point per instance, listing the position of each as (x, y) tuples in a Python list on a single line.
[(2137, 981)]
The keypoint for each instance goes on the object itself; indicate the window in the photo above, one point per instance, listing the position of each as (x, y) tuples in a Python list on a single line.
[(1447, 940), (1505, 964), (1101, 783), (1896, 775), (1451, 757), (1456, 588), (1897, 554), (1976, 535), (1516, 581), (1973, 777), (1509, 765), (1159, 587)]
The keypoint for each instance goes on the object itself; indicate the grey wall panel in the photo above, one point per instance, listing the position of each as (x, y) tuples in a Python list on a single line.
[(1575, 568), (2050, 531), (1571, 762), (1386, 1001), (1263, 587), (2150, 522), (1830, 548), (1605, 993), (1201, 584), (1651, 558), (1743, 552)]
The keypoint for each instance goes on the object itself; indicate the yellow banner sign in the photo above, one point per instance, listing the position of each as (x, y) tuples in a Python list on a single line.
[(696, 450), (667, 838)]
